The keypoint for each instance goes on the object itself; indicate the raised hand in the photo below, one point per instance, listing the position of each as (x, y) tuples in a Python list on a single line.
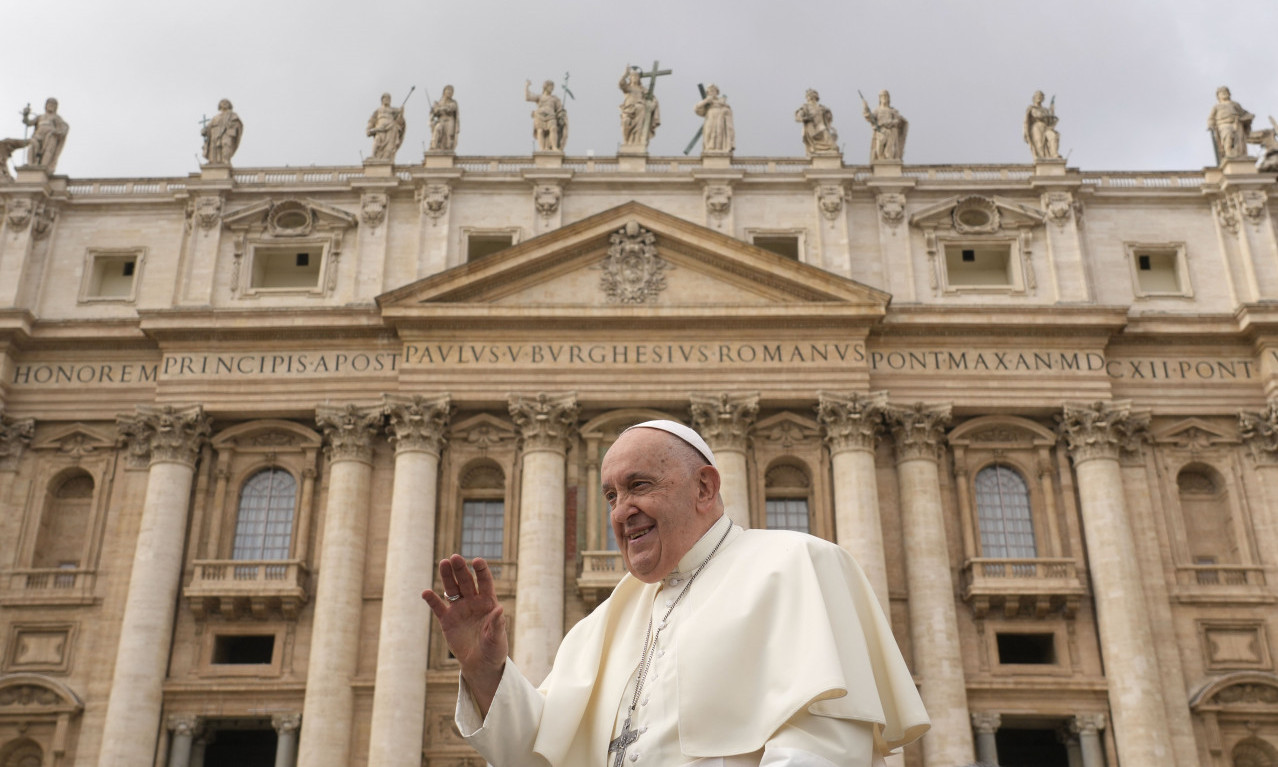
[(474, 624)]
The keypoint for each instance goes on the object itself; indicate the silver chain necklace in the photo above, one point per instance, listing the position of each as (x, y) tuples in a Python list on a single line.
[(628, 736)]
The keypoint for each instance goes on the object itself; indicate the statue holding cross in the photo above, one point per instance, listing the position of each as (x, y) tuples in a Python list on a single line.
[(640, 112)]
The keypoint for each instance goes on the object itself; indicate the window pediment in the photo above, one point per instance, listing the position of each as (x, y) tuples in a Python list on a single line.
[(1251, 692), (32, 695), (977, 214)]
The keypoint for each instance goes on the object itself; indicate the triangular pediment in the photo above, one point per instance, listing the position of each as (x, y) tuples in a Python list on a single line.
[(977, 214), (289, 217), (74, 439), (1194, 433), (633, 261)]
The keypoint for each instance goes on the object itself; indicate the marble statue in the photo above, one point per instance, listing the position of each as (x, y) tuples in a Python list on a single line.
[(819, 135), (445, 122), (1039, 129), (1230, 125), (7, 147), (890, 129), (49, 137), (386, 127), (640, 112), (1268, 140), (718, 134), (550, 119), (222, 135)]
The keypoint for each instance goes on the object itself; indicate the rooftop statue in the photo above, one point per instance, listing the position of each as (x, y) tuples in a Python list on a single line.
[(550, 119), (1039, 129), (890, 129), (445, 122), (1230, 126), (386, 127), (7, 147), (718, 134), (49, 137), (222, 135), (819, 135), (1268, 140), (640, 110)]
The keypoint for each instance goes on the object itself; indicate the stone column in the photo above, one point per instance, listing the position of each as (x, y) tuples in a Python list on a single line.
[(199, 747), (986, 725), (547, 423), (329, 701), (1259, 432), (286, 726), (724, 421), (171, 439), (185, 728), (852, 423), (1087, 727), (1096, 434), (1073, 753), (416, 429), (917, 433)]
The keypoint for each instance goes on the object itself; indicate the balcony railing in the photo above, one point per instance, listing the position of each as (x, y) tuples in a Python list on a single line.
[(258, 587), (1033, 585), (1220, 575), (600, 573), (48, 585)]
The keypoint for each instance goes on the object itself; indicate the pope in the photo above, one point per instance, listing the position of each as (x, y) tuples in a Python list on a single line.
[(721, 647)]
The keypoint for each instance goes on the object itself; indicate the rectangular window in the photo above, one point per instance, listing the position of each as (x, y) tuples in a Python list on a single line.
[(480, 244), (788, 514), (483, 528), (243, 649), (782, 245), (294, 267), (976, 265), (1159, 269), (111, 276), (1027, 649)]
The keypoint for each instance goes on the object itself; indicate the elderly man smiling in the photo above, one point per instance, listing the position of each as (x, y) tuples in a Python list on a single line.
[(722, 647)]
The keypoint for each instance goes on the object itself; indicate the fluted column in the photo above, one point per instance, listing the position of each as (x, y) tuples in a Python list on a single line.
[(986, 725), (852, 424), (416, 429), (917, 433), (171, 438), (1088, 727), (1259, 432), (724, 421), (286, 726), (185, 728), (546, 422), (329, 701), (1096, 433)]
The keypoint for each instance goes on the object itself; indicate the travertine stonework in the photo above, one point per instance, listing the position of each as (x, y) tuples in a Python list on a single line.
[(243, 412)]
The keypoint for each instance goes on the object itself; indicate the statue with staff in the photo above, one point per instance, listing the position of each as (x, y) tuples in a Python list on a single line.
[(640, 110), (550, 119), (222, 134), (49, 137), (1039, 129), (386, 127), (717, 133), (890, 128)]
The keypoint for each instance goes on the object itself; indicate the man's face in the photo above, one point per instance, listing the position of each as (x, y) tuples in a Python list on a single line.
[(660, 503)]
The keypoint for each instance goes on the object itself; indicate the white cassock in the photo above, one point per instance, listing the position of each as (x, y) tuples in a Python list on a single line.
[(778, 655)]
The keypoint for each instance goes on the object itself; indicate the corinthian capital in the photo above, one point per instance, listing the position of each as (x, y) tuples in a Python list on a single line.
[(546, 421), (184, 724), (417, 424), (724, 420), (986, 721), (917, 429), (164, 434), (851, 421), (1087, 724), (1102, 429), (15, 435), (349, 430), (286, 722), (1259, 432)]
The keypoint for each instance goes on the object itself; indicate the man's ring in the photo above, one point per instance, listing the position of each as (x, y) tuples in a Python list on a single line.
[(452, 597)]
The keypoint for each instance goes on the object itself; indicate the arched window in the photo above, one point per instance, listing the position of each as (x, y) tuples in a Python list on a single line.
[(1003, 514), (786, 507), (483, 529), (64, 525), (1209, 531), (1254, 752), (23, 752), (264, 527)]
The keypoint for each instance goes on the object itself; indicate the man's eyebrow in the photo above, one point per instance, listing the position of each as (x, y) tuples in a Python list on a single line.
[(625, 480)]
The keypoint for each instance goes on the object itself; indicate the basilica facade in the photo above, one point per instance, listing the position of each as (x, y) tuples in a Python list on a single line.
[(244, 412)]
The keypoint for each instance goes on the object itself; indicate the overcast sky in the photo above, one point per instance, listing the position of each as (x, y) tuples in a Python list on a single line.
[(1133, 79)]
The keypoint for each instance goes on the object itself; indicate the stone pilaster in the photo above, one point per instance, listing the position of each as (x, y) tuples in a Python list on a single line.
[(724, 421), (917, 432), (1087, 727), (852, 424), (546, 422), (1259, 432), (172, 439), (349, 432), (185, 727), (1096, 435), (416, 428), (986, 725), (286, 727), (15, 436)]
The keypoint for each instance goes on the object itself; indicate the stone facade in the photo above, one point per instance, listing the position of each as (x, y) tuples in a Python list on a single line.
[(241, 413)]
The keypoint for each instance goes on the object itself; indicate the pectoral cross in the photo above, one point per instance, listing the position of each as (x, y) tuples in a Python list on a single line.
[(627, 737)]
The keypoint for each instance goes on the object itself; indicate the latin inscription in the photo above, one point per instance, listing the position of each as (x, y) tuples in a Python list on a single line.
[(587, 355)]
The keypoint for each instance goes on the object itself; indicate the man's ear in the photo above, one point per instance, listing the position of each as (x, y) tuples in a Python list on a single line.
[(708, 482)]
